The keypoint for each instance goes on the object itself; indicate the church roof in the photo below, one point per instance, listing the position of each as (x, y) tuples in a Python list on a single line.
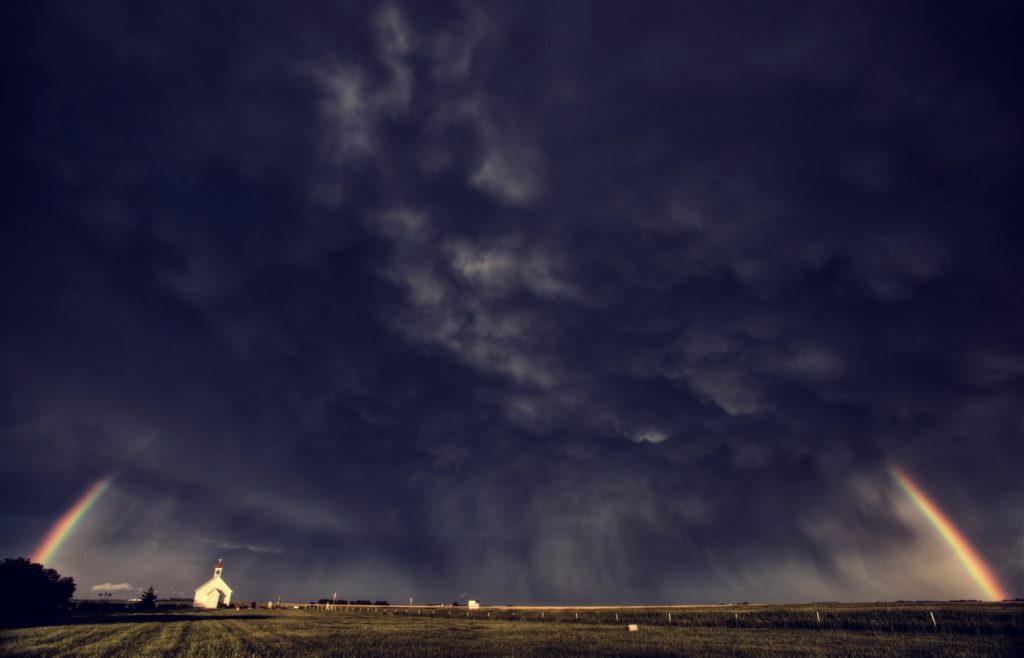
[(216, 583)]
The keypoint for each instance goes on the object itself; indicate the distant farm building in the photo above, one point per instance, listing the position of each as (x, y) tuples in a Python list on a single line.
[(214, 592), (473, 605)]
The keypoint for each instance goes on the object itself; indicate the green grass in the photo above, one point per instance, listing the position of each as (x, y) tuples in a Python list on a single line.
[(963, 629)]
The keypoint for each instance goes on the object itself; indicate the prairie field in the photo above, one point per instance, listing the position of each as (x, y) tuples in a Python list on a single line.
[(959, 629)]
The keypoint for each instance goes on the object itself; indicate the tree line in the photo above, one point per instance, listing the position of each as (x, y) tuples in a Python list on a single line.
[(27, 588)]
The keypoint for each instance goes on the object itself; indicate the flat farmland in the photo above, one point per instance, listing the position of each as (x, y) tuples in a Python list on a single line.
[(960, 629)]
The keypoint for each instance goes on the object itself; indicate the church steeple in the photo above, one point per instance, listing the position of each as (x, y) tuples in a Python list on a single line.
[(217, 569)]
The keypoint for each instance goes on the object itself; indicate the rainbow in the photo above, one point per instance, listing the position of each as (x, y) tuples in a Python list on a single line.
[(62, 528), (975, 566)]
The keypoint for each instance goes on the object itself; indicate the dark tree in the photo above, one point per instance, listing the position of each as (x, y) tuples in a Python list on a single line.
[(148, 599), (26, 588)]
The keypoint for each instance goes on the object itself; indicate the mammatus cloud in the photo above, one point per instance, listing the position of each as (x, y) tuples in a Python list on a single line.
[(651, 436), (510, 171)]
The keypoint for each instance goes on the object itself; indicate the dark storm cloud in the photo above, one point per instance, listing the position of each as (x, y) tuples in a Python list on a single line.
[(562, 303)]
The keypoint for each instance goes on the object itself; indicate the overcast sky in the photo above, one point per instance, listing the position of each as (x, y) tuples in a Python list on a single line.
[(563, 302)]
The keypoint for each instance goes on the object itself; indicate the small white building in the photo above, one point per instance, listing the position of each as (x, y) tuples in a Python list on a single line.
[(473, 605), (214, 592)]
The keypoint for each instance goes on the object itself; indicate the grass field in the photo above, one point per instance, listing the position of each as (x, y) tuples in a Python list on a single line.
[(960, 629)]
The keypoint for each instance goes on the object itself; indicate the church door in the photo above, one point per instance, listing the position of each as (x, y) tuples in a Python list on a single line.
[(214, 598)]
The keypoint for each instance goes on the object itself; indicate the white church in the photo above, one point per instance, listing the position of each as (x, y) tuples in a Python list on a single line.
[(214, 592)]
